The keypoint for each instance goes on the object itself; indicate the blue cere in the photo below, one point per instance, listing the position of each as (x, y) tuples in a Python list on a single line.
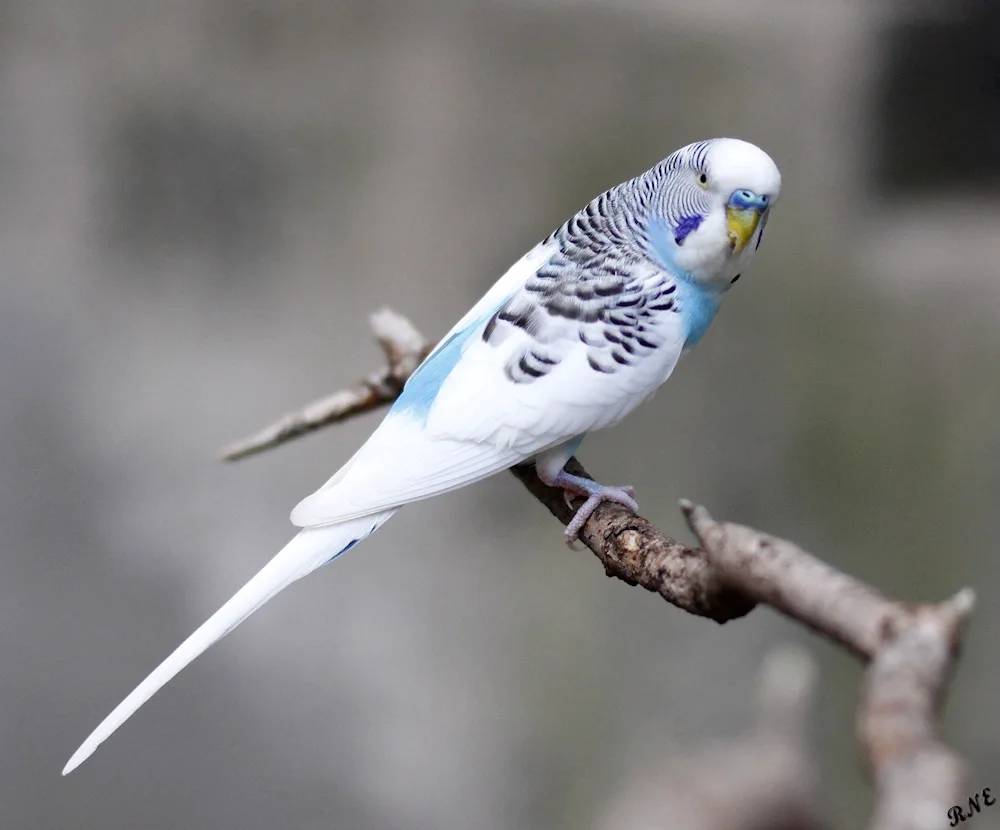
[(744, 199)]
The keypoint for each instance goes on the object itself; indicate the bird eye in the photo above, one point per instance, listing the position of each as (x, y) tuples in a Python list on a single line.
[(703, 179)]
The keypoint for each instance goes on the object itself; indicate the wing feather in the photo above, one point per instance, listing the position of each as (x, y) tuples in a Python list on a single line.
[(572, 338), (400, 464)]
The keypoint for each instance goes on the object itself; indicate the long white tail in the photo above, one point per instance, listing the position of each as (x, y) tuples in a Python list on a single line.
[(306, 552)]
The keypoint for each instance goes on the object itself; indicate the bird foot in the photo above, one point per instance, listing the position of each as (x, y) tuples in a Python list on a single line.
[(596, 493)]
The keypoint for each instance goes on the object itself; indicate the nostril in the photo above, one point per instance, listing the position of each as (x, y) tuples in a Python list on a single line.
[(749, 199)]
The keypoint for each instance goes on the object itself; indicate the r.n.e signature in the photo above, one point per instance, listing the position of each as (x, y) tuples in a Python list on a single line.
[(956, 814)]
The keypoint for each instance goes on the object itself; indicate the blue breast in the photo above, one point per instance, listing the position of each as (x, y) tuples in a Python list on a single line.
[(697, 305)]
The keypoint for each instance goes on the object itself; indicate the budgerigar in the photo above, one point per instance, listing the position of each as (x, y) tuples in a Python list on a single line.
[(571, 339)]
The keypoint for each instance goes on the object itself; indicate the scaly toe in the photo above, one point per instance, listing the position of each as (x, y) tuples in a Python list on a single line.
[(580, 519), (620, 495)]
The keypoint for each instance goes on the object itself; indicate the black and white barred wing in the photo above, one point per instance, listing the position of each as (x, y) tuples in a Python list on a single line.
[(559, 347), (575, 349)]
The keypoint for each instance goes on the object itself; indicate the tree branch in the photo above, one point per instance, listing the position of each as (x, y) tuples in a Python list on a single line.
[(915, 774), (404, 349), (910, 649)]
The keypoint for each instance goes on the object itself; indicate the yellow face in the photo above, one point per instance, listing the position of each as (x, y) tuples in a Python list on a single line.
[(742, 223)]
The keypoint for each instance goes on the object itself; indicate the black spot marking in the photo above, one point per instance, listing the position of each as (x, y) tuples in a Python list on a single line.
[(490, 328), (608, 290), (597, 367), (572, 310), (523, 319), (620, 358), (522, 364), (735, 278)]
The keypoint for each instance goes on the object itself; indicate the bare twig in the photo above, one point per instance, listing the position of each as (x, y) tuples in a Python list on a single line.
[(404, 348), (910, 650), (792, 581)]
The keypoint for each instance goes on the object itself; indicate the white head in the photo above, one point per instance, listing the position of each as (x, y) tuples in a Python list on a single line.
[(714, 200)]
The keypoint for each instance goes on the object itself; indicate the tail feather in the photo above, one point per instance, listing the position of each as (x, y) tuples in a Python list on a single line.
[(303, 554)]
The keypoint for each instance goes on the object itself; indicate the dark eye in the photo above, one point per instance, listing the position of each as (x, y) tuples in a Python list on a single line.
[(703, 178)]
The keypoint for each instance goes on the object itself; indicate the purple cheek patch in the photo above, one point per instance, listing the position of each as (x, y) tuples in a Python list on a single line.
[(686, 225)]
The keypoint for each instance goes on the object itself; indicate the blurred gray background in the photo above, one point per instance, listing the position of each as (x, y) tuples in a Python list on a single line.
[(200, 203)]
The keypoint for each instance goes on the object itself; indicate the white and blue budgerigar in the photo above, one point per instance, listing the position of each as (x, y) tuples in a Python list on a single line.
[(571, 339)]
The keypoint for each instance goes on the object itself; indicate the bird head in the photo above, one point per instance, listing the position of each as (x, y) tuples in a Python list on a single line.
[(713, 201)]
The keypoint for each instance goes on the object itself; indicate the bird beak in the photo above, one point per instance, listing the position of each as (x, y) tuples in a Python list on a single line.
[(742, 223)]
